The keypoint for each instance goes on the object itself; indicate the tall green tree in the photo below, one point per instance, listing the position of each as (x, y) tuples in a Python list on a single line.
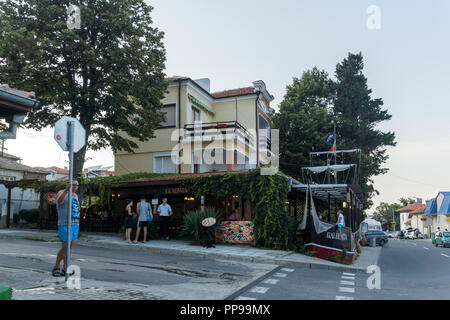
[(108, 73), (357, 115), (386, 212), (304, 119)]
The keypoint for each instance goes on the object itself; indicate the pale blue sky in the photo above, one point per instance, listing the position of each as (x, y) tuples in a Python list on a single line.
[(236, 42)]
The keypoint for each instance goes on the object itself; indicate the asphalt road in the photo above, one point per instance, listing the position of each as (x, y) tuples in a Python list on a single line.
[(409, 270), (26, 264)]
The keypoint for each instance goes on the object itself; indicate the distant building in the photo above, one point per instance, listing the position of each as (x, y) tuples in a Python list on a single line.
[(55, 173), (438, 211), (11, 170), (412, 216), (97, 171)]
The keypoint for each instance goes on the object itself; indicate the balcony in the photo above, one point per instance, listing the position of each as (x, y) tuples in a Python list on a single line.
[(210, 131)]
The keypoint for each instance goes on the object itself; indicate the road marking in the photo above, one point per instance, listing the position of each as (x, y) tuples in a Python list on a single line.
[(445, 255), (426, 248), (415, 244), (345, 289), (344, 298), (244, 298), (259, 290), (348, 278), (280, 275), (271, 281), (348, 274), (350, 283), (287, 270)]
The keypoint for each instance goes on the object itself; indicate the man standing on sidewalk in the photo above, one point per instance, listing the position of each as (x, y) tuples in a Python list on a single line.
[(164, 211), (62, 206)]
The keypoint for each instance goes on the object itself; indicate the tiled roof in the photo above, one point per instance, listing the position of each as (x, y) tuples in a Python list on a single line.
[(234, 92), (9, 156), (8, 164), (178, 176), (56, 169), (411, 207)]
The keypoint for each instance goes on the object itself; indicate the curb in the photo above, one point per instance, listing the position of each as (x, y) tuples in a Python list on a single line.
[(280, 261)]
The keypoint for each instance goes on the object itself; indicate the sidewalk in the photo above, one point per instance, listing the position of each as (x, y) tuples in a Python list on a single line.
[(245, 253)]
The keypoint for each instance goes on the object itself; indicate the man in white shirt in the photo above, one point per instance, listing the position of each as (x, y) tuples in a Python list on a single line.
[(164, 211), (340, 221)]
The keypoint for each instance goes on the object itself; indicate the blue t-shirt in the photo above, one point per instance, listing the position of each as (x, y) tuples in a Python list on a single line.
[(143, 211), (63, 210)]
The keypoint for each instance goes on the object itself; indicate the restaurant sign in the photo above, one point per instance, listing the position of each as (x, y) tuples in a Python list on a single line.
[(179, 190)]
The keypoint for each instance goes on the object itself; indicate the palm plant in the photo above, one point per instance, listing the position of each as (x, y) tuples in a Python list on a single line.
[(193, 226)]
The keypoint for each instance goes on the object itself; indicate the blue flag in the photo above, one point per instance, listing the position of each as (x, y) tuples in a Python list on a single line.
[(331, 139)]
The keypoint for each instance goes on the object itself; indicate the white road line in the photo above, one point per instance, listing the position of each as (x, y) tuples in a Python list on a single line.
[(348, 274), (244, 298), (445, 255), (287, 270), (349, 283), (280, 275), (348, 278), (344, 298), (345, 289), (259, 290), (426, 248), (271, 281), (415, 244)]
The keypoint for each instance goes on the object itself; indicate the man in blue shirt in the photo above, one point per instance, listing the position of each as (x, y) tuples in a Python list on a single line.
[(164, 211), (62, 206)]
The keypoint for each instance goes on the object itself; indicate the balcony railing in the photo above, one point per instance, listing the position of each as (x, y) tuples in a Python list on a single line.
[(214, 129)]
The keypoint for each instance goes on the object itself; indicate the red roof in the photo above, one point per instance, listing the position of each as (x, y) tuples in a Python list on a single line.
[(413, 208), (56, 169), (184, 175), (25, 93), (233, 92)]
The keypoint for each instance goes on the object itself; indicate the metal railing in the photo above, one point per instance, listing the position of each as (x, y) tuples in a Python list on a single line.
[(224, 128)]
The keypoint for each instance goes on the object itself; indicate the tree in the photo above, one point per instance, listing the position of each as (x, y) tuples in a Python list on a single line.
[(357, 116), (304, 120), (386, 212), (108, 74)]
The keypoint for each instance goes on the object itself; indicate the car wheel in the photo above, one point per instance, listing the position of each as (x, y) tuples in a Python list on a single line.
[(382, 242), (436, 244)]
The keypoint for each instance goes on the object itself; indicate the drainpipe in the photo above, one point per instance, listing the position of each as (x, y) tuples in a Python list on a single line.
[(179, 124), (13, 124)]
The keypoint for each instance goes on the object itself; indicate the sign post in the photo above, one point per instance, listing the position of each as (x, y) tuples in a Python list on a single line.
[(71, 136)]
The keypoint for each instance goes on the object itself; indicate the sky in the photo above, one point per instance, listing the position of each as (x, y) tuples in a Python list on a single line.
[(237, 42)]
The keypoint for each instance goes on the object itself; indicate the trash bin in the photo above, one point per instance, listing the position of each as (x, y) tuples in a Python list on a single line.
[(5, 293)]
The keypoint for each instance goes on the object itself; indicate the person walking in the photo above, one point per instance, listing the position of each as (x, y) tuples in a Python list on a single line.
[(62, 207), (164, 211), (142, 211), (128, 220), (340, 221)]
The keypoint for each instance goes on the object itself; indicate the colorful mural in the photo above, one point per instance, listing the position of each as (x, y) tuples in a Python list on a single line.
[(237, 231)]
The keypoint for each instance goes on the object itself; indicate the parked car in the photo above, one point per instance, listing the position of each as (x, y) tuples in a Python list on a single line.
[(442, 238), (410, 234), (380, 236), (392, 234)]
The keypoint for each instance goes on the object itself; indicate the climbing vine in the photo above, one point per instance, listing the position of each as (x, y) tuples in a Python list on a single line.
[(267, 192)]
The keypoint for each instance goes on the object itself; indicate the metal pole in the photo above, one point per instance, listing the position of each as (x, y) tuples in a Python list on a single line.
[(70, 134)]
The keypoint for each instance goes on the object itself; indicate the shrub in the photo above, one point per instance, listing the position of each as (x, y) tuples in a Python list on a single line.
[(193, 226), (30, 216)]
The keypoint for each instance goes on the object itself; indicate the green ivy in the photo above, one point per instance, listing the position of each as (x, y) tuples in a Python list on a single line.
[(268, 194)]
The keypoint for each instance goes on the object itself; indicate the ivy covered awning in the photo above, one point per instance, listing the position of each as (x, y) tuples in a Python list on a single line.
[(200, 104)]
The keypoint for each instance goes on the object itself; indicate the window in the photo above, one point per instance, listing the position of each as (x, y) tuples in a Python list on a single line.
[(164, 164), (171, 115), (195, 114), (8, 178)]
